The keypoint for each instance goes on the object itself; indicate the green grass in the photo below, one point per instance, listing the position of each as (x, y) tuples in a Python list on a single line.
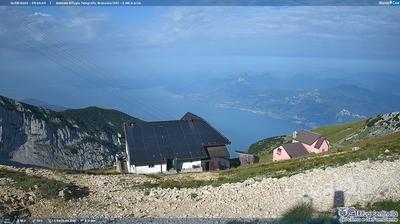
[(266, 157), (336, 133), (305, 213), (372, 149), (299, 213), (268, 144), (371, 122), (104, 171), (386, 205), (46, 188), (94, 119)]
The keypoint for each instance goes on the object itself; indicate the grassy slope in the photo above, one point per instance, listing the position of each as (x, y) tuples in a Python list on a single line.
[(372, 148), (338, 133), (98, 119), (264, 147), (46, 188), (267, 144)]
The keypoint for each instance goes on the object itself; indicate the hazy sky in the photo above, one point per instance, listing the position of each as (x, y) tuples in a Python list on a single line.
[(72, 55)]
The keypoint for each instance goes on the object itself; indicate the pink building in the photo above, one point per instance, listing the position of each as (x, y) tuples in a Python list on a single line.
[(303, 143)]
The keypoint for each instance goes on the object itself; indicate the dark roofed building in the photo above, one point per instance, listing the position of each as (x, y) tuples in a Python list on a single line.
[(307, 137), (154, 147), (295, 149)]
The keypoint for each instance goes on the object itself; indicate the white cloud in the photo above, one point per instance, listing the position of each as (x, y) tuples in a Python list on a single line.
[(41, 14), (202, 23)]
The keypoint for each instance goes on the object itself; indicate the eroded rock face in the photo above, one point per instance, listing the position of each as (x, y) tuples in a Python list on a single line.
[(37, 136)]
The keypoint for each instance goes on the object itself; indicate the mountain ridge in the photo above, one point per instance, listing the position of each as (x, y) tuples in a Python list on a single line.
[(71, 139)]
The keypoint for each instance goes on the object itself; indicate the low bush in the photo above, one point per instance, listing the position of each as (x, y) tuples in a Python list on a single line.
[(46, 188)]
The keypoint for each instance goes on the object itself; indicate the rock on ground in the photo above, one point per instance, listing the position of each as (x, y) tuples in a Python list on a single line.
[(117, 196)]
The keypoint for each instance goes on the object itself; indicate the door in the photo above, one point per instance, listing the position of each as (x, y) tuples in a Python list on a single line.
[(169, 164)]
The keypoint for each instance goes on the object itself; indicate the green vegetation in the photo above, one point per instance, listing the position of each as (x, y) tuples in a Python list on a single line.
[(268, 144), (104, 171), (94, 119), (372, 149), (264, 147), (300, 213), (304, 213), (387, 205), (336, 133), (91, 119), (193, 195), (46, 188), (372, 121)]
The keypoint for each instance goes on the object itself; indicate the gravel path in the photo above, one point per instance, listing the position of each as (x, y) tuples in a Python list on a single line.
[(115, 196)]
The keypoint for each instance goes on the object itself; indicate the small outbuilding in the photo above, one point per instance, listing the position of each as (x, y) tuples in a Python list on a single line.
[(218, 158), (247, 158)]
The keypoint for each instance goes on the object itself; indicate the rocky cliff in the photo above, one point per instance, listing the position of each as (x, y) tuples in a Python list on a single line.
[(71, 139)]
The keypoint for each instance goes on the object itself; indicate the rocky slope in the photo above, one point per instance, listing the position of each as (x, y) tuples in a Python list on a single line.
[(71, 139), (118, 196)]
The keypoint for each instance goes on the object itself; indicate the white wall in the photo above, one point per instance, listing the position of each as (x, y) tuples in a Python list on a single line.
[(147, 169), (189, 165), (186, 166)]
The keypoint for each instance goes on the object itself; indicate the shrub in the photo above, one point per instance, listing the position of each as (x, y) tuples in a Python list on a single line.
[(46, 188), (193, 195), (301, 213)]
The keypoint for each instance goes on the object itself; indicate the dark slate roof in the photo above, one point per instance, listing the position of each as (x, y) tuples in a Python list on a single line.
[(218, 152), (307, 137), (185, 139), (190, 116), (319, 142), (295, 149)]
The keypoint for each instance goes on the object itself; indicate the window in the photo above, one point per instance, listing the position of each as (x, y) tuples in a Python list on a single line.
[(151, 166), (278, 152)]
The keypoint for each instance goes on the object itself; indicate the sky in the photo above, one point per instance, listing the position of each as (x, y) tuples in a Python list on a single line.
[(106, 56)]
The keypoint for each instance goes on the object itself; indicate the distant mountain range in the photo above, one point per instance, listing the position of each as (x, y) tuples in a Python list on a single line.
[(305, 100), (71, 139)]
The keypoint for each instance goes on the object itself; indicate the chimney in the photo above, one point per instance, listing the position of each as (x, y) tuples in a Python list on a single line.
[(294, 136)]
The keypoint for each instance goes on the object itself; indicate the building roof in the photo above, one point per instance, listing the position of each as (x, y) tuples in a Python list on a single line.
[(218, 152), (185, 139), (295, 149), (319, 142), (190, 116), (243, 152), (307, 137)]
